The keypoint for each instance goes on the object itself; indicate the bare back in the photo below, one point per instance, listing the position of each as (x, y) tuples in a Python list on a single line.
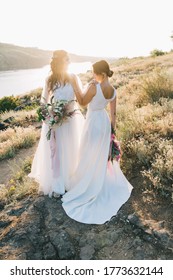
[(108, 90)]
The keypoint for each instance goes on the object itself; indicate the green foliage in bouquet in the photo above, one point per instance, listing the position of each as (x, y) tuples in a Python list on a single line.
[(55, 113)]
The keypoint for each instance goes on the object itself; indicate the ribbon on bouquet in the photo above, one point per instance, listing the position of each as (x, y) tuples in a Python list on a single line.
[(55, 163)]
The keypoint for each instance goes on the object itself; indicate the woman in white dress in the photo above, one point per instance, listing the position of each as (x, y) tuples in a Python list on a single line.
[(55, 159), (98, 188)]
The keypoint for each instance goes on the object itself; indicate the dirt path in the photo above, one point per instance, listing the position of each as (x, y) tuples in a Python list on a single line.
[(8, 166)]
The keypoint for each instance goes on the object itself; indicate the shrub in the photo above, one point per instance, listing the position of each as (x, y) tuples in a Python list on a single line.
[(26, 101), (156, 52), (8, 103), (156, 85), (160, 174), (153, 159), (146, 134)]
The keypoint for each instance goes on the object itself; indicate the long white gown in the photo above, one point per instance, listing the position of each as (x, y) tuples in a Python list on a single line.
[(55, 160), (98, 188)]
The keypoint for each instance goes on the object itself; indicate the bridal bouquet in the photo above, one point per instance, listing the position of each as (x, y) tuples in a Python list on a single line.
[(55, 113), (114, 150)]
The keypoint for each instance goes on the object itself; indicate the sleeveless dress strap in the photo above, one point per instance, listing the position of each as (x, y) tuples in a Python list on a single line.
[(114, 95)]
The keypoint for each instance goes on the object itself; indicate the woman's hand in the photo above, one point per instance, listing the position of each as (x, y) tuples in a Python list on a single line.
[(113, 129), (93, 82)]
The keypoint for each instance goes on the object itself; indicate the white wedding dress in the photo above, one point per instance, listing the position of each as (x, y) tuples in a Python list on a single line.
[(55, 160), (98, 188)]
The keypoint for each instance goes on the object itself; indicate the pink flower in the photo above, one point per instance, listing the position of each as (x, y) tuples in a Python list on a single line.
[(56, 118), (112, 137)]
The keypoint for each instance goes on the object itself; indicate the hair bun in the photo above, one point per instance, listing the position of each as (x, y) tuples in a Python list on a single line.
[(110, 73)]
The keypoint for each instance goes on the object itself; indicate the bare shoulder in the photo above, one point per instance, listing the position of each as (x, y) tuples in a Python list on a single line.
[(111, 88), (47, 78), (111, 91), (108, 91), (72, 77)]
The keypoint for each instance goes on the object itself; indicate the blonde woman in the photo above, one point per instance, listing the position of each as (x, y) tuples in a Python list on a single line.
[(55, 160)]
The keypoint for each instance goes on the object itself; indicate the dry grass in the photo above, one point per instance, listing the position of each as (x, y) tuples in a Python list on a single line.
[(145, 119), (19, 115), (16, 138), (19, 185)]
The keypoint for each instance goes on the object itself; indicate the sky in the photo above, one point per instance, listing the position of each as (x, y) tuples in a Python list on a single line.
[(111, 28)]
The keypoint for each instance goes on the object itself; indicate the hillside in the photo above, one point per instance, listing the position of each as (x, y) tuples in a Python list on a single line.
[(15, 57), (33, 226)]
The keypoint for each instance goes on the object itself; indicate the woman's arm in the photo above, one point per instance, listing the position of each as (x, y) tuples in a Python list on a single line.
[(113, 112), (82, 98), (44, 95)]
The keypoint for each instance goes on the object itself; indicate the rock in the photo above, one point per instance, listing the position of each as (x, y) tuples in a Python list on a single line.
[(18, 108), (20, 238), (137, 231), (16, 212), (89, 238), (147, 237), (22, 256), (104, 239), (161, 224), (3, 126), (63, 244), (2, 205), (100, 240), (40, 202), (49, 252), (135, 220), (139, 253), (162, 235), (137, 242), (87, 252), (4, 224), (108, 253), (9, 120), (35, 256), (170, 244), (37, 228)]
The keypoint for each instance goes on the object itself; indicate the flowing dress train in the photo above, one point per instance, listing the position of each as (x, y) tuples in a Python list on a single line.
[(97, 188)]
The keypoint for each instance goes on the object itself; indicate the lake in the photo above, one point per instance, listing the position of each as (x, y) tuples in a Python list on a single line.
[(21, 81)]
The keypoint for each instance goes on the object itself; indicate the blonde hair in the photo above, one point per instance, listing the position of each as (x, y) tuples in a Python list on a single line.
[(57, 63)]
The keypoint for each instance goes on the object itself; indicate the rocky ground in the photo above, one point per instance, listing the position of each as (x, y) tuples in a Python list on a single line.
[(38, 228)]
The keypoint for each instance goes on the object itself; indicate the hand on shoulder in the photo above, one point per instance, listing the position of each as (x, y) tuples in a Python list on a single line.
[(93, 82)]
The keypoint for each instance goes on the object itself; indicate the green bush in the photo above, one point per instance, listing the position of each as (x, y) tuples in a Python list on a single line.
[(8, 103), (156, 52)]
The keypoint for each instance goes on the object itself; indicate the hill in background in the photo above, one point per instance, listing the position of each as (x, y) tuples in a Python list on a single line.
[(15, 57), (36, 227)]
